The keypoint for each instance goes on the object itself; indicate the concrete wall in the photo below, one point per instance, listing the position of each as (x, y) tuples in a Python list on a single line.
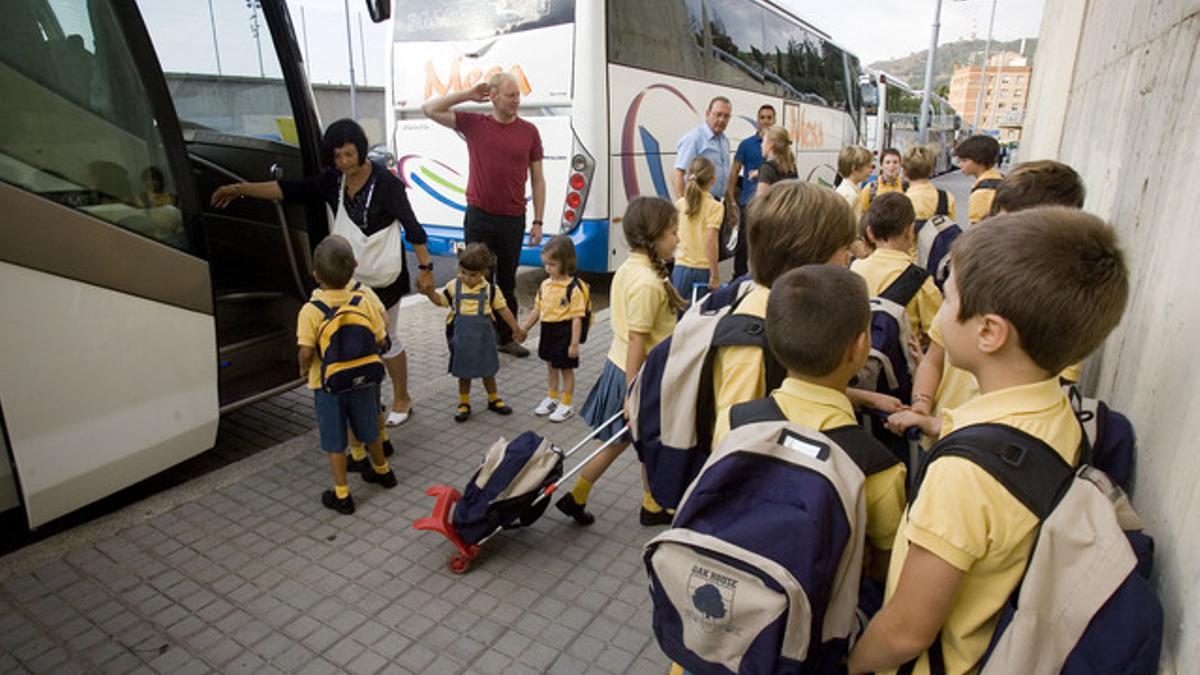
[(1116, 97)]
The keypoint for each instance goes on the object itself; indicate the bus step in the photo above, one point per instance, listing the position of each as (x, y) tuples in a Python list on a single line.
[(239, 337), (248, 387)]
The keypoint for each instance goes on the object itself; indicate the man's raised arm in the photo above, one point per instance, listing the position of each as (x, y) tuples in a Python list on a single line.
[(439, 109)]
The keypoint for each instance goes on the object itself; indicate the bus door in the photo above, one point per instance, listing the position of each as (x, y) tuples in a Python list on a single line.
[(106, 374), (239, 91)]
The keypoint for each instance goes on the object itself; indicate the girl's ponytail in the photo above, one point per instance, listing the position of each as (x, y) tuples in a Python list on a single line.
[(646, 219), (700, 173)]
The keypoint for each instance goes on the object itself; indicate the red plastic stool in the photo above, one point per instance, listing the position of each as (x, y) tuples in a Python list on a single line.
[(439, 521)]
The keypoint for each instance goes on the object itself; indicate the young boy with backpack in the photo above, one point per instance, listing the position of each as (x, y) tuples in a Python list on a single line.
[(977, 158), (891, 224), (339, 332), (792, 502), (1029, 294)]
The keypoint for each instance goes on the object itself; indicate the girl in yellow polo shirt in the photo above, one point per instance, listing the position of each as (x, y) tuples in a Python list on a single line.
[(643, 304), (561, 305)]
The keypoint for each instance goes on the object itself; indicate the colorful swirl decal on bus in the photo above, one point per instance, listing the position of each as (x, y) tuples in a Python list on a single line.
[(649, 145), (446, 190)]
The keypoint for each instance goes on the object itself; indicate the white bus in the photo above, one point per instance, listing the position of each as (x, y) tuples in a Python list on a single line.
[(885, 97), (135, 314), (611, 86)]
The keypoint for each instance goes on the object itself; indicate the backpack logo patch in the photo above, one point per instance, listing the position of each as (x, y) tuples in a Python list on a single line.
[(712, 595)]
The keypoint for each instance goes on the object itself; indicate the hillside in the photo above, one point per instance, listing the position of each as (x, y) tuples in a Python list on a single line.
[(911, 68)]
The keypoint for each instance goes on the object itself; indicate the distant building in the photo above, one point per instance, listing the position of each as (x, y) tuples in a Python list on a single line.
[(1004, 98)]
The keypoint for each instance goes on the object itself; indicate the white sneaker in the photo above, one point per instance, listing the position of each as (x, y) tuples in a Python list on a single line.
[(546, 407), (561, 413)]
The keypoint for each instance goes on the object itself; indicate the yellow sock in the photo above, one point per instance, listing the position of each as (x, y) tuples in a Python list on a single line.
[(357, 452), (381, 468), (553, 393), (341, 491), (649, 504), (583, 487), (464, 399), (493, 396), (566, 398)]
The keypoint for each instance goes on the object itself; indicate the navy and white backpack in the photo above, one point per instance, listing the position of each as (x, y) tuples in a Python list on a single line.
[(672, 399), (1084, 604), (935, 236), (889, 369), (504, 488), (1112, 443), (760, 570)]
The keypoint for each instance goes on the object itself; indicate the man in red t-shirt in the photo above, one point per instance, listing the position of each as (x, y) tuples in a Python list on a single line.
[(503, 149)]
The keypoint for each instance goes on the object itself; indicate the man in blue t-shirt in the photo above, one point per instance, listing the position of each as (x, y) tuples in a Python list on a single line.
[(746, 162)]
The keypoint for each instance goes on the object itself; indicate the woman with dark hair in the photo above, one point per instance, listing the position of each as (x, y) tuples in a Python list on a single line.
[(368, 206)]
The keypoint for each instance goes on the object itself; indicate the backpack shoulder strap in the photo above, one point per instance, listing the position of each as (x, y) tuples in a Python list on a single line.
[(1026, 466), (943, 204), (987, 184), (325, 309), (760, 410), (905, 287), (867, 452), (740, 329), (904, 184), (874, 189)]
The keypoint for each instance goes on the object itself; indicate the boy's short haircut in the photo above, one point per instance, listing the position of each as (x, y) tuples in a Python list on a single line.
[(767, 106), (983, 150), (796, 223), (561, 250), (852, 158), (1040, 183), (1056, 274), (890, 151), (918, 161), (476, 258), (814, 314), (333, 261), (890, 214)]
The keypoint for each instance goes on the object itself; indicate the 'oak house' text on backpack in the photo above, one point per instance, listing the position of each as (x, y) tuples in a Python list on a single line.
[(760, 570)]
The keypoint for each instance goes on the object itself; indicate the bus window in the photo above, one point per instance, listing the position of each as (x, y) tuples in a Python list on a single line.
[(75, 123), (424, 21), (221, 67), (666, 36)]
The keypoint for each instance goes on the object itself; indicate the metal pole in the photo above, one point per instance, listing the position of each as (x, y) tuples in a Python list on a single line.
[(350, 54), (983, 74), (304, 28), (362, 49), (923, 128), (212, 21)]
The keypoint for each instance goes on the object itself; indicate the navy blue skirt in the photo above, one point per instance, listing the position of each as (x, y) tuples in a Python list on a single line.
[(606, 399)]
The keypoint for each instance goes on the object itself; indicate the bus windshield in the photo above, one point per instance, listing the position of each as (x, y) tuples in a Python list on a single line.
[(424, 21)]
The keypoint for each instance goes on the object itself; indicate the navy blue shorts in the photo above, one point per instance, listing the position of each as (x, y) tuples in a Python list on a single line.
[(358, 408)]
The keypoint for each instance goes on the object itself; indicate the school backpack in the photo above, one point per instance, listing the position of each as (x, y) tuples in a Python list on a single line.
[(1084, 604), (760, 570), (1112, 443), (504, 488), (672, 397), (577, 283), (986, 184), (889, 368), (350, 356), (935, 236)]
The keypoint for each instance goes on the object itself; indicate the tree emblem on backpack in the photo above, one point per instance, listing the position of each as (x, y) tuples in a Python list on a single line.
[(708, 601)]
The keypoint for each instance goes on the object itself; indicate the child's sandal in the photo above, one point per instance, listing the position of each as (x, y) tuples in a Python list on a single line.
[(463, 412), (499, 406)]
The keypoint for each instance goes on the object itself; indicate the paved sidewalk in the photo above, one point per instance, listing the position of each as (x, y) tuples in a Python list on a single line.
[(243, 571)]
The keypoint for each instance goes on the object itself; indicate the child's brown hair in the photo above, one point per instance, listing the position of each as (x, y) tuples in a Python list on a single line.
[(646, 220), (852, 158), (814, 314), (476, 258), (918, 161), (890, 214), (701, 173), (1056, 274), (1040, 183), (781, 147), (561, 250), (983, 150), (796, 223), (333, 261)]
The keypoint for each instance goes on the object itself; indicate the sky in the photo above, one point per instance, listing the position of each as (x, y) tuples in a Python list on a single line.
[(872, 29)]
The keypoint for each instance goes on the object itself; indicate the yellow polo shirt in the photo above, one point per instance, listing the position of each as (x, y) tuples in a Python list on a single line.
[(470, 306), (864, 195), (924, 198), (309, 320), (739, 373), (968, 519), (817, 407), (883, 267), (552, 304), (980, 202), (638, 301), (690, 252)]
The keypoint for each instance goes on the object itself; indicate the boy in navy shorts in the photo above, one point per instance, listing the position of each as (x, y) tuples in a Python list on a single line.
[(333, 268)]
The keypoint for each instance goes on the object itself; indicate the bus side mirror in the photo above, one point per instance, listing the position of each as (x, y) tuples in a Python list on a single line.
[(380, 10)]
